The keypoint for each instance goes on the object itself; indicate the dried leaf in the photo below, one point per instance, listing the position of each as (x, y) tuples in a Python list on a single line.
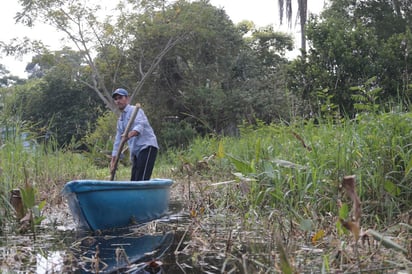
[(349, 186), (154, 264), (297, 136), (353, 227), (318, 236)]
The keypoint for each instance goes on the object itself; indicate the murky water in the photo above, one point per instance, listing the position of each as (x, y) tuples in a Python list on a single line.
[(181, 242), (177, 243), (59, 247)]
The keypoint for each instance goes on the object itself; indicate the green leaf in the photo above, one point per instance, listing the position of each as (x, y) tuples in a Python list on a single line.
[(285, 265), (257, 150), (42, 204), (28, 196), (36, 211), (240, 165), (391, 188), (220, 150), (354, 88), (344, 211), (306, 225), (370, 81), (38, 220), (408, 168)]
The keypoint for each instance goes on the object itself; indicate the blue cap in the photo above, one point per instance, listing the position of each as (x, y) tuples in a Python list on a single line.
[(120, 91)]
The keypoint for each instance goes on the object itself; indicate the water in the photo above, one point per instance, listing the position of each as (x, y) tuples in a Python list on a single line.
[(181, 242), (58, 247), (177, 243)]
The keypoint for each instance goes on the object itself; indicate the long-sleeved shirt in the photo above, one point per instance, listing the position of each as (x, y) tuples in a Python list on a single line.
[(141, 124)]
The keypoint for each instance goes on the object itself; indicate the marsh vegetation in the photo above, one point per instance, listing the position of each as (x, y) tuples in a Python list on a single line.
[(270, 200)]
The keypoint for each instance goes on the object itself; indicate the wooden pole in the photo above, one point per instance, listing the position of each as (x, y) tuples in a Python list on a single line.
[(124, 140)]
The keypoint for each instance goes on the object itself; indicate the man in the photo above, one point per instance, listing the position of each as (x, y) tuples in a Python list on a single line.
[(141, 138)]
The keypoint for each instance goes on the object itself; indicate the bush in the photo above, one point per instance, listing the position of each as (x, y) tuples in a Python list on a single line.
[(175, 134), (100, 141)]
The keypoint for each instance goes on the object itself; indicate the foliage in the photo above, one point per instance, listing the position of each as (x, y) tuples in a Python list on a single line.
[(54, 106), (210, 80), (259, 77), (207, 72), (192, 71), (299, 166), (31, 208), (89, 33), (350, 43), (367, 97), (46, 169), (285, 179), (282, 178), (100, 139), (178, 134)]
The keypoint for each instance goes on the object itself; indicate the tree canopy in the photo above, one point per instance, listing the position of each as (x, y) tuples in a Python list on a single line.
[(351, 43), (196, 72)]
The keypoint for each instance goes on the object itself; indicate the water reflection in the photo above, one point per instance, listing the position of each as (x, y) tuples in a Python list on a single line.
[(53, 261), (135, 249), (61, 248), (127, 254)]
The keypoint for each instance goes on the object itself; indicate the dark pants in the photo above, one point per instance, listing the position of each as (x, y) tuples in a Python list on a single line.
[(143, 164)]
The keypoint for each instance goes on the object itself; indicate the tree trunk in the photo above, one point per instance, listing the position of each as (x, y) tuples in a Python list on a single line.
[(303, 13)]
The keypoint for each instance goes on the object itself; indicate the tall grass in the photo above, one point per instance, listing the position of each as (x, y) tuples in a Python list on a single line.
[(295, 168), (299, 166), (42, 166)]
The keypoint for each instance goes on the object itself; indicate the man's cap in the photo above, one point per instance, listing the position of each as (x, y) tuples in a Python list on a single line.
[(120, 91)]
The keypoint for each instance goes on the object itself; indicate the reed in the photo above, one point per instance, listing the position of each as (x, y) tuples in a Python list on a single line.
[(299, 166), (42, 166), (296, 167)]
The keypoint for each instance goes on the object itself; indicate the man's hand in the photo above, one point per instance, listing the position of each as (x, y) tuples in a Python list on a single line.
[(132, 134)]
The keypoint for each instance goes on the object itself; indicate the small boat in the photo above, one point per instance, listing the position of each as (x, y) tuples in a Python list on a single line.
[(102, 205)]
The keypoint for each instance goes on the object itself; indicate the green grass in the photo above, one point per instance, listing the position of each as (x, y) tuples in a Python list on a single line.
[(299, 166), (270, 182), (296, 167)]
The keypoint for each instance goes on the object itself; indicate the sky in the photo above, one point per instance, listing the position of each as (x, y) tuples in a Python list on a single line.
[(261, 12)]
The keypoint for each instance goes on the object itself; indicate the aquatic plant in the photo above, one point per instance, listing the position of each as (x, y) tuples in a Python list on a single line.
[(285, 181), (31, 210)]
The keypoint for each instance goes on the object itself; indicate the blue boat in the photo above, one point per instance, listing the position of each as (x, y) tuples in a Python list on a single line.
[(102, 205)]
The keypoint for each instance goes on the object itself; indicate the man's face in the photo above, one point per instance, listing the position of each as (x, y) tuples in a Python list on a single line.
[(120, 101)]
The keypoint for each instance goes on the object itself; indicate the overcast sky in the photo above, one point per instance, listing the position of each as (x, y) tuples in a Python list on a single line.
[(261, 12)]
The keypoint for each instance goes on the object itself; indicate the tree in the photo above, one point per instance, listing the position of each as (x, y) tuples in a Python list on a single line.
[(350, 43), (55, 105), (208, 80), (285, 7), (259, 72), (216, 78), (90, 35), (212, 81), (195, 77)]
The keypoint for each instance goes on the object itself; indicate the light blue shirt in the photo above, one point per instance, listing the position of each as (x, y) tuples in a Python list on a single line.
[(141, 124)]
